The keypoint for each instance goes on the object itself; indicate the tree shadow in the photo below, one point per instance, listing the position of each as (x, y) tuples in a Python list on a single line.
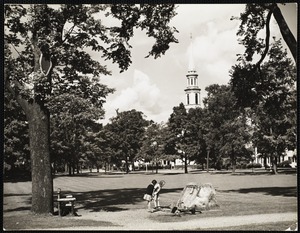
[(273, 191), (111, 200), (91, 175), (254, 173), (18, 209), (16, 195), (173, 173), (17, 178)]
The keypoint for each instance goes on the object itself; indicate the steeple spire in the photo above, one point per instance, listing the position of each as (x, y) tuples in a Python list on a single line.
[(191, 56), (192, 91)]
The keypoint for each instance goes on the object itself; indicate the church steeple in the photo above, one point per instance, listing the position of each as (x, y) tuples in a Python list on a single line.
[(191, 57), (192, 90)]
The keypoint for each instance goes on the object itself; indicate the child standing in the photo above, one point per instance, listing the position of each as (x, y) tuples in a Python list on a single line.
[(157, 188), (149, 194)]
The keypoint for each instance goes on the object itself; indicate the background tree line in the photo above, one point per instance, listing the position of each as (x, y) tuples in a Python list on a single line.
[(227, 127)]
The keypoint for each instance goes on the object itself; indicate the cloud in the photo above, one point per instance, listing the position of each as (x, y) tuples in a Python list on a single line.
[(142, 95), (214, 51), (155, 86)]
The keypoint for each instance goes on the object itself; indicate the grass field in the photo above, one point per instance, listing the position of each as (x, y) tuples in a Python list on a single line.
[(239, 194)]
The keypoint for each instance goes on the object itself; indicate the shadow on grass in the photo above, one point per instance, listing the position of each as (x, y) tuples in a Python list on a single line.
[(173, 173), (16, 179), (18, 209), (111, 200), (33, 222), (15, 195), (254, 173), (274, 191), (91, 175)]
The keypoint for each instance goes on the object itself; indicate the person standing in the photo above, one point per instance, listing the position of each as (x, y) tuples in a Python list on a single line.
[(148, 196), (157, 188)]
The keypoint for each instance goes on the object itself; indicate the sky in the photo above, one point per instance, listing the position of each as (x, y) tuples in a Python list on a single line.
[(155, 86)]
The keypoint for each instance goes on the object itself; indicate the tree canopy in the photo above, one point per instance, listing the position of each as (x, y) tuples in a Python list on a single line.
[(47, 52), (255, 18)]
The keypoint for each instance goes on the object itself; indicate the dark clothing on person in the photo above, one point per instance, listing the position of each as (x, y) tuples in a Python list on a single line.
[(149, 189)]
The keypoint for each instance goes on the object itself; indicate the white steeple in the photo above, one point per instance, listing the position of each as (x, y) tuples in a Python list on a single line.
[(191, 56), (192, 90)]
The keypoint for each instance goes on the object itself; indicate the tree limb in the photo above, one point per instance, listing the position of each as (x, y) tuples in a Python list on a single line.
[(285, 32), (267, 38)]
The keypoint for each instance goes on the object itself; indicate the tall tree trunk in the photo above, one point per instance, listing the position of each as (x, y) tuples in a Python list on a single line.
[(207, 161), (185, 163), (42, 187), (126, 162), (233, 160), (73, 168), (132, 162), (70, 168), (274, 167)]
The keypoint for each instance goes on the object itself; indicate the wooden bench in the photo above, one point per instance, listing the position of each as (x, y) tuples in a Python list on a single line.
[(69, 201)]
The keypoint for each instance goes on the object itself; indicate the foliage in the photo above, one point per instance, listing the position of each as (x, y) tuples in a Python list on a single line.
[(73, 129), (273, 105), (197, 147), (179, 134), (285, 163), (16, 141), (227, 131), (254, 165), (126, 131), (254, 19), (62, 36), (152, 143)]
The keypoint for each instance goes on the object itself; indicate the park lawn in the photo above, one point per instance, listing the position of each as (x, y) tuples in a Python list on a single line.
[(238, 194), (31, 221), (279, 226)]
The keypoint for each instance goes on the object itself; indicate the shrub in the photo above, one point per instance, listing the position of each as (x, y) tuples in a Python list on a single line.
[(254, 165), (285, 163)]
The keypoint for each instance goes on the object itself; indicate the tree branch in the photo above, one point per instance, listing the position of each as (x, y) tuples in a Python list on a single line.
[(286, 32), (267, 39)]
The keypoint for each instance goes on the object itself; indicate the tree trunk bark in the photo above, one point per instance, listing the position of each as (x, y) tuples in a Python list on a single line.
[(274, 167), (285, 32), (207, 161), (77, 168), (233, 160), (42, 186), (70, 169), (126, 162), (185, 164)]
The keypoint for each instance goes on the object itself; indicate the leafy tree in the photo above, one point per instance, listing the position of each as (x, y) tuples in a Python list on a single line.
[(257, 17), (16, 141), (127, 130), (227, 132), (275, 111), (196, 130), (43, 43), (72, 121), (180, 133), (152, 148), (93, 150)]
